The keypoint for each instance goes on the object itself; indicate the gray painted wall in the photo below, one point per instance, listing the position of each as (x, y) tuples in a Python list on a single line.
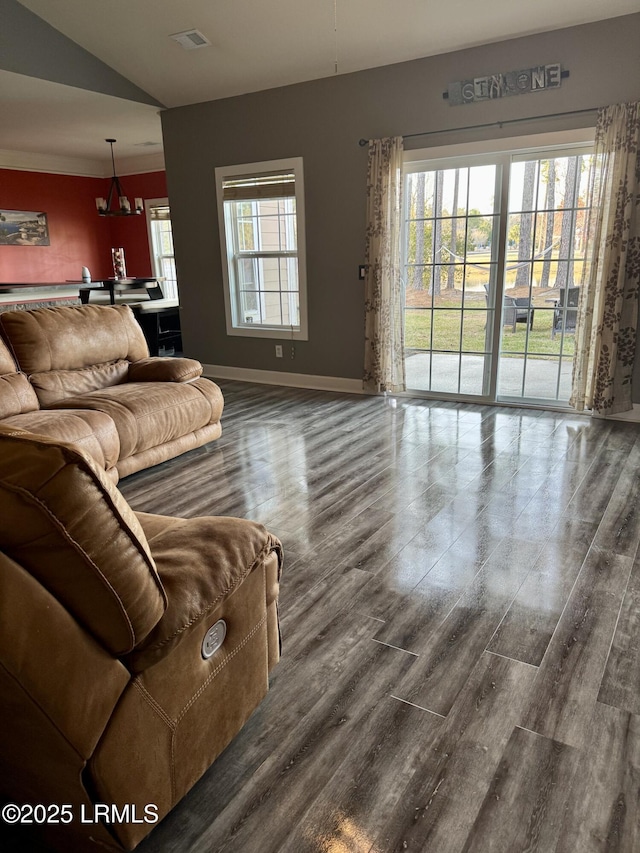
[(31, 46), (322, 121)]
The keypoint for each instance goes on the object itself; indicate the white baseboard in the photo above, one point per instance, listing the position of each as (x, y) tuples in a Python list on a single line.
[(281, 377)]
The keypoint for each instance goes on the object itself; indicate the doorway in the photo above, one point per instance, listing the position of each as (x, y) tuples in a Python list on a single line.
[(494, 256)]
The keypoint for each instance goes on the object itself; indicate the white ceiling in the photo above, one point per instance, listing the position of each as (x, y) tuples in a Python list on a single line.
[(255, 45), (39, 117)]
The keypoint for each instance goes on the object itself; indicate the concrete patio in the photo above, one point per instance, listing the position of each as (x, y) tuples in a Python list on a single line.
[(540, 377)]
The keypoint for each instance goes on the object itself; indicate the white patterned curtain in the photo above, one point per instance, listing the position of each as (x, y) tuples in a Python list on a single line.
[(384, 322), (606, 326)]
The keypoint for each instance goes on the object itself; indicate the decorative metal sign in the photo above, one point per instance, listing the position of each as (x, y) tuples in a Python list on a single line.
[(521, 82)]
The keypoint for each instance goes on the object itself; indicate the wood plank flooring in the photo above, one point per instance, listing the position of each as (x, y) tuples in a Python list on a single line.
[(460, 613), (461, 628)]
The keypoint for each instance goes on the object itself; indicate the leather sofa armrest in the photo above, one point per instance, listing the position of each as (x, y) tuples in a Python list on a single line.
[(164, 369), (201, 562)]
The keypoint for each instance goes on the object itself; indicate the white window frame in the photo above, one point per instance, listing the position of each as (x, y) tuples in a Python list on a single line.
[(259, 330), (503, 153), (156, 264)]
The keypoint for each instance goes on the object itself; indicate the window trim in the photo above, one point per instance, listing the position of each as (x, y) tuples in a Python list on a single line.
[(513, 145), (149, 204), (223, 173), (504, 153)]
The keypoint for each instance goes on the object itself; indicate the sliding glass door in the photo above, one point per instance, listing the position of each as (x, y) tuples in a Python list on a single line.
[(451, 251), (545, 268), (494, 255)]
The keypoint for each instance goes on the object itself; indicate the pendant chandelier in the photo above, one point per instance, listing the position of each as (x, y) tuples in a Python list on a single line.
[(106, 207)]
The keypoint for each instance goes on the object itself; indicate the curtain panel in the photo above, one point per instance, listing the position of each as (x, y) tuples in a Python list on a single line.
[(606, 326), (384, 322)]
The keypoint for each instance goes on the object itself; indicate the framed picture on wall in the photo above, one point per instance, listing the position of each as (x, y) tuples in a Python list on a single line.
[(23, 228)]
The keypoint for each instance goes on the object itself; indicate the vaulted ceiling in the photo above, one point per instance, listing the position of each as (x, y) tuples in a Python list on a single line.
[(254, 45)]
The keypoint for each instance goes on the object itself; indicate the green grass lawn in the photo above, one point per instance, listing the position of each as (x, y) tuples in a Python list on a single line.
[(448, 324)]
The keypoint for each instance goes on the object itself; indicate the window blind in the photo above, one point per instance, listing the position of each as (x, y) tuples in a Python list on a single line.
[(255, 187), (158, 213)]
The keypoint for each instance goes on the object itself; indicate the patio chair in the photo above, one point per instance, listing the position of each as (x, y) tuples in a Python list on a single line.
[(565, 317), (516, 309)]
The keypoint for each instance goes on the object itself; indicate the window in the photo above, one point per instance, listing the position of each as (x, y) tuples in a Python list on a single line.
[(494, 257), (451, 262), (547, 263), (261, 216), (161, 245)]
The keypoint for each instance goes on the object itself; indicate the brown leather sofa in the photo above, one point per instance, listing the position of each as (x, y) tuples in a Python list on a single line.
[(83, 374), (106, 693)]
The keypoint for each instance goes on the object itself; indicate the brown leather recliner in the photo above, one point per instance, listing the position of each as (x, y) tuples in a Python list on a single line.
[(107, 695)]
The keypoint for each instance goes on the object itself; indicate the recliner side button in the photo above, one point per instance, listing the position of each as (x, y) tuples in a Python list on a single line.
[(214, 638)]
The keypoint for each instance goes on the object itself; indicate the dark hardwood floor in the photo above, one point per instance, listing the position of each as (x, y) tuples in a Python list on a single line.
[(460, 613), (461, 624)]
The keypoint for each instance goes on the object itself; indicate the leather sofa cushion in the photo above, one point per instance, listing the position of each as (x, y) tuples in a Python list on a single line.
[(148, 414), (160, 369), (7, 362), (54, 385), (72, 337), (94, 432), (61, 670), (16, 395), (201, 562), (66, 524)]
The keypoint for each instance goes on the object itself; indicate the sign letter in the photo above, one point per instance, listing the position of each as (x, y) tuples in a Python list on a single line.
[(553, 75)]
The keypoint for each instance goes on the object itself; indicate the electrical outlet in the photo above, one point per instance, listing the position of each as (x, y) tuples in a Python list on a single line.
[(278, 350)]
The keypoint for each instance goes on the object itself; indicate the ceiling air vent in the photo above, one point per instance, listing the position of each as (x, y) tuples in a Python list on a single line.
[(191, 39)]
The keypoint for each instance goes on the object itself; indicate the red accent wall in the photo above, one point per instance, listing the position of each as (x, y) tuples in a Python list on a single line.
[(78, 236)]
